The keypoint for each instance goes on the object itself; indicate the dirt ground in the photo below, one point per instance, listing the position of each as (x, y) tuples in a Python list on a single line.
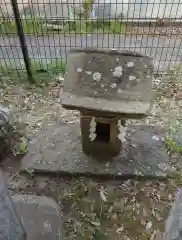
[(93, 209)]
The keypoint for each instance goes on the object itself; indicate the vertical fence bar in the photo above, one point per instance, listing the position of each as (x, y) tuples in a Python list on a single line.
[(22, 40)]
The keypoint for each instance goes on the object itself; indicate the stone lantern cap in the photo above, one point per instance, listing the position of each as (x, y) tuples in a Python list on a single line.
[(110, 81)]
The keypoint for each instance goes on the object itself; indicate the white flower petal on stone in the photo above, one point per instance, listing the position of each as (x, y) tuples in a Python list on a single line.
[(92, 129), (121, 137), (92, 125), (122, 129), (130, 64), (132, 78), (79, 69), (96, 76), (92, 136), (113, 85), (119, 123)]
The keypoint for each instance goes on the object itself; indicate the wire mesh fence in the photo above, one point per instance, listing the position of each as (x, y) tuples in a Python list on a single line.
[(52, 27)]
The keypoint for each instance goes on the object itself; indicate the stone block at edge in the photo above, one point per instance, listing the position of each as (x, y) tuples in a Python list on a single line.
[(11, 227), (41, 217)]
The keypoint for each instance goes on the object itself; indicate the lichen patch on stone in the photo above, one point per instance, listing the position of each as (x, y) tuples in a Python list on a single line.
[(92, 134), (113, 85), (121, 137), (130, 64), (93, 122), (132, 78), (122, 132), (119, 123), (79, 69), (96, 76), (155, 138), (118, 71)]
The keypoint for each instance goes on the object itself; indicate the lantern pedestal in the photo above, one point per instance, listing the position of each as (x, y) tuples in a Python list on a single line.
[(58, 149)]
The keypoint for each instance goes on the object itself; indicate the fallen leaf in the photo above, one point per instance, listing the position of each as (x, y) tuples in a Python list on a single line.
[(148, 225), (23, 145), (95, 223), (119, 230), (103, 194)]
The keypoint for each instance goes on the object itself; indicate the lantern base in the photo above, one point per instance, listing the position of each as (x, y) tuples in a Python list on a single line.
[(58, 149)]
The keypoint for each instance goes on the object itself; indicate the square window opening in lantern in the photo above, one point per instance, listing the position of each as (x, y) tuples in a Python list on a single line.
[(102, 132)]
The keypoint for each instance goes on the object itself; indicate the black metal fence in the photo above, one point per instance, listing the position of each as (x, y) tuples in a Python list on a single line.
[(35, 36)]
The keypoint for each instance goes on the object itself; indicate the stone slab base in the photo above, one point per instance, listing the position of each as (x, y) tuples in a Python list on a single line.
[(58, 149), (41, 217)]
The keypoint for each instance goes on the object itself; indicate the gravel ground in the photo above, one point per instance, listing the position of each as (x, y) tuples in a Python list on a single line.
[(93, 209)]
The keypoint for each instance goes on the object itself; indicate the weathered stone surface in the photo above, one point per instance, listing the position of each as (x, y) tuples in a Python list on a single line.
[(4, 115), (59, 149), (108, 81), (41, 217), (11, 227), (4, 121), (6, 129), (173, 226)]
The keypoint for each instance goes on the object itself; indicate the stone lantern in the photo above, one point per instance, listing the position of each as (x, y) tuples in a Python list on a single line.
[(108, 87)]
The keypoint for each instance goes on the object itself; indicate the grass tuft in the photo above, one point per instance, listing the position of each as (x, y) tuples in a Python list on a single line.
[(171, 139), (42, 72), (40, 27)]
